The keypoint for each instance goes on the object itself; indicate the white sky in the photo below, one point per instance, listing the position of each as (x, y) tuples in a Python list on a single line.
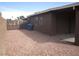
[(15, 14), (8, 12)]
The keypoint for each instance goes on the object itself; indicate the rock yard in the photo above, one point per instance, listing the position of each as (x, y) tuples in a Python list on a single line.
[(25, 43)]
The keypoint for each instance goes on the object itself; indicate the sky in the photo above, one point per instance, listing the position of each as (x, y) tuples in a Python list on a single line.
[(15, 9)]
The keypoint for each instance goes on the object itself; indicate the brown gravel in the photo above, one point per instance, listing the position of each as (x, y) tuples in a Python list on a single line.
[(24, 42)]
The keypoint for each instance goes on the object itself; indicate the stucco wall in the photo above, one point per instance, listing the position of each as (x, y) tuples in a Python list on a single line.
[(77, 27), (65, 22), (42, 23), (55, 22), (2, 34), (2, 27)]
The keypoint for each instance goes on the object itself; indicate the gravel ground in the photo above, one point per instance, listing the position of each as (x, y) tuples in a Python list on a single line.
[(25, 43)]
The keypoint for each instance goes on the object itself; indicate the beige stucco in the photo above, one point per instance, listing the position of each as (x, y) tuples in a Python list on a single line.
[(2, 27), (2, 33)]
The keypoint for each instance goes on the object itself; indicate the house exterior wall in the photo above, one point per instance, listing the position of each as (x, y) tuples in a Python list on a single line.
[(58, 22), (77, 27), (42, 22), (61, 23), (53, 30), (65, 22)]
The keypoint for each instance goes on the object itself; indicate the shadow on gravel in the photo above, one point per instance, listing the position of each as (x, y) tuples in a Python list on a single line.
[(43, 38)]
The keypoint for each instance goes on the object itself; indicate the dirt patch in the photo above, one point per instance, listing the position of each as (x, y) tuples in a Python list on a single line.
[(23, 42)]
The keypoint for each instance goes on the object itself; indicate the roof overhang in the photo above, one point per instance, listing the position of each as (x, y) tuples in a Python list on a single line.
[(57, 8)]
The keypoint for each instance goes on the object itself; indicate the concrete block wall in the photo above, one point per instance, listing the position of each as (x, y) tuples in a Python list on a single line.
[(14, 24)]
